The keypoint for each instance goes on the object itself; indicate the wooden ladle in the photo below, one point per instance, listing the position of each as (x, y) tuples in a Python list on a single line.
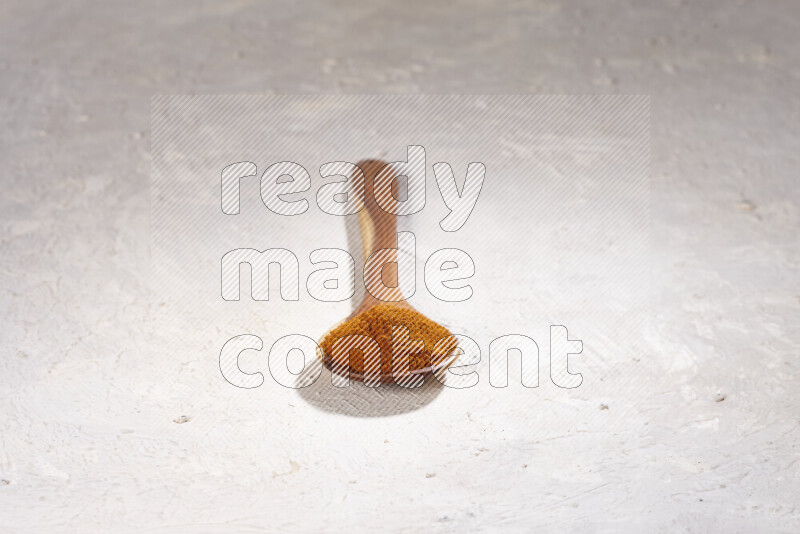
[(379, 231)]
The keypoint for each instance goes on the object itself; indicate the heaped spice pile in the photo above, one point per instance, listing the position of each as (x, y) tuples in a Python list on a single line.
[(377, 323)]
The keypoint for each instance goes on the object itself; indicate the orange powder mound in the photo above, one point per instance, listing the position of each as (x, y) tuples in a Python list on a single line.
[(377, 323)]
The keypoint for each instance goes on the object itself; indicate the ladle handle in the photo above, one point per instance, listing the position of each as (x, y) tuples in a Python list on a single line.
[(379, 227)]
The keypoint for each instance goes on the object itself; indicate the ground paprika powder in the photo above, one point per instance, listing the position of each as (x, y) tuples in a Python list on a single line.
[(377, 322)]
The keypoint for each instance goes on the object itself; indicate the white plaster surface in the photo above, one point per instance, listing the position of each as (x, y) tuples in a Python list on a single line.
[(702, 424)]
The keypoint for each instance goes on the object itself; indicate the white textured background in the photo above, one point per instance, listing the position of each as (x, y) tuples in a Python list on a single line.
[(87, 406)]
